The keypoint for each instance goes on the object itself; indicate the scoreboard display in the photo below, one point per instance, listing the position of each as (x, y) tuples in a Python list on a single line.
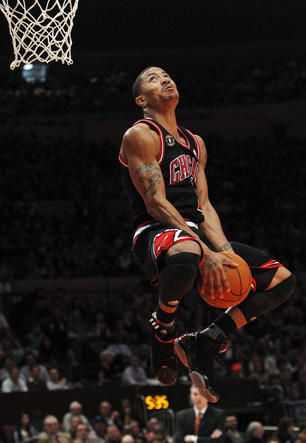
[(157, 402)]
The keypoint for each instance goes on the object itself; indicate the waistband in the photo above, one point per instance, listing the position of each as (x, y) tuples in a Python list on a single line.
[(146, 225)]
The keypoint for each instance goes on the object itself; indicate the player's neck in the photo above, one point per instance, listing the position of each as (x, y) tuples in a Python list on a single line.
[(167, 119)]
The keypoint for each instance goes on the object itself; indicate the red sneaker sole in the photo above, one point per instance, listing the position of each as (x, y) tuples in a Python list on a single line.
[(199, 382), (180, 353)]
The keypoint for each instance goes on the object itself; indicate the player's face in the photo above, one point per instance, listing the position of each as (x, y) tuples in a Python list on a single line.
[(157, 87)]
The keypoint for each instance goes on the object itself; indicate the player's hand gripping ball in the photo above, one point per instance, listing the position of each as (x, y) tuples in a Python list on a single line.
[(239, 279)]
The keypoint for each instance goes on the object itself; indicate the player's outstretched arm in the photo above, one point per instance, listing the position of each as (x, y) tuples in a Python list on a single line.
[(211, 227), (141, 149)]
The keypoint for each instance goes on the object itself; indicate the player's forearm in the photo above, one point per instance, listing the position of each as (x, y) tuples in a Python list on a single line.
[(213, 231), (164, 212)]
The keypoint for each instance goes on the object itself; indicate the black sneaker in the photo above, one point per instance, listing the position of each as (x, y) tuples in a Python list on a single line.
[(163, 358), (197, 351)]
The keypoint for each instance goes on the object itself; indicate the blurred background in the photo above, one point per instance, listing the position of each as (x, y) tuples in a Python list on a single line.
[(73, 304)]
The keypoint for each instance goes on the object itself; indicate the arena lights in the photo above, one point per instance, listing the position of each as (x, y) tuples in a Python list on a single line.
[(34, 73)]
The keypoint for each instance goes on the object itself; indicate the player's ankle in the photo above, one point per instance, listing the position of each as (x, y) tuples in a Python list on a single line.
[(215, 333), (164, 332), (165, 318), (167, 325), (226, 324)]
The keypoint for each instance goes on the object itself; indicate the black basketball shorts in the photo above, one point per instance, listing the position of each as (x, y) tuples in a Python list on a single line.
[(151, 241)]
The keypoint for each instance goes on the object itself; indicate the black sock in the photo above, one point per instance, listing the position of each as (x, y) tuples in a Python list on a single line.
[(163, 316), (226, 324)]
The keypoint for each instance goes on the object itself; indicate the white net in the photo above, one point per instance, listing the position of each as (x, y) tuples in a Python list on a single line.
[(40, 29)]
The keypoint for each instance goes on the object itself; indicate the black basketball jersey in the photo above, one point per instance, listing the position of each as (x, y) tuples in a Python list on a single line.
[(179, 163)]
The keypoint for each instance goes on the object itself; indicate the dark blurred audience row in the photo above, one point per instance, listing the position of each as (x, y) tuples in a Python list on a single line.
[(63, 211), (110, 93), (67, 341), (124, 426)]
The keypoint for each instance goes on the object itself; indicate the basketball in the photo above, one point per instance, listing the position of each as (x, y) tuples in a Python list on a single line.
[(239, 279)]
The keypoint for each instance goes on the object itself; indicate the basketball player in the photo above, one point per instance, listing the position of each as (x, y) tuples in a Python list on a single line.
[(177, 230)]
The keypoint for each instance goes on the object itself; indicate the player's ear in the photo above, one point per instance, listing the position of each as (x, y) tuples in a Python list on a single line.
[(141, 101)]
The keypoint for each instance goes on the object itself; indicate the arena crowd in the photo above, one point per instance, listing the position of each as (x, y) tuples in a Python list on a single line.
[(63, 215)]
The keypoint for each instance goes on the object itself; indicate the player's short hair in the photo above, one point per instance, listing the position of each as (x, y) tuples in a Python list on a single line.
[(137, 83)]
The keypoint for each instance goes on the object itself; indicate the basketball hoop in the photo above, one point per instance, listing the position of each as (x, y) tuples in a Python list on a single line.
[(40, 29)]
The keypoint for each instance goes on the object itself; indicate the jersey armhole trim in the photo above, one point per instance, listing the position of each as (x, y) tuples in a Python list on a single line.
[(160, 134), (196, 143)]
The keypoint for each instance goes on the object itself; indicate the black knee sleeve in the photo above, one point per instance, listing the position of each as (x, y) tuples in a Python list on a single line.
[(260, 302), (177, 276)]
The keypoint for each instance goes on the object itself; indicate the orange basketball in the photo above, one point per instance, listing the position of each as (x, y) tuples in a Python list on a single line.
[(239, 279)]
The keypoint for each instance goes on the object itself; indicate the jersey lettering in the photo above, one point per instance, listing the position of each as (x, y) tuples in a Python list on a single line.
[(174, 172), (183, 167)]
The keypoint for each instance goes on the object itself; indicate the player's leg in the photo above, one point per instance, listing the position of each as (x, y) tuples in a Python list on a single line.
[(171, 258), (180, 268), (274, 285), (176, 278)]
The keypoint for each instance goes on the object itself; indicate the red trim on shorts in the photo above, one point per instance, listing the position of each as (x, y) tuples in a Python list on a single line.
[(160, 134), (271, 264), (164, 240)]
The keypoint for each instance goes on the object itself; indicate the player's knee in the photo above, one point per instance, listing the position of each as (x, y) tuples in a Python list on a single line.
[(178, 276), (262, 302), (284, 289), (191, 246), (281, 275)]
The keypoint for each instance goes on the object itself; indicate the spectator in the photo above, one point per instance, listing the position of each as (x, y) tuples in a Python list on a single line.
[(51, 433), (127, 439), (25, 432), (55, 382), (255, 432), (112, 435), (75, 410), (75, 421), (232, 433), (30, 362), (109, 366), (161, 434), (126, 412), (35, 337), (135, 431), (14, 382), (35, 382), (302, 433), (84, 435), (203, 422), (7, 366), (106, 415), (73, 367), (285, 432), (151, 428), (134, 374)]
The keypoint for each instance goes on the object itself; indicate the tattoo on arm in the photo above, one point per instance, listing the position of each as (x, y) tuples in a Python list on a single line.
[(226, 247), (149, 174)]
